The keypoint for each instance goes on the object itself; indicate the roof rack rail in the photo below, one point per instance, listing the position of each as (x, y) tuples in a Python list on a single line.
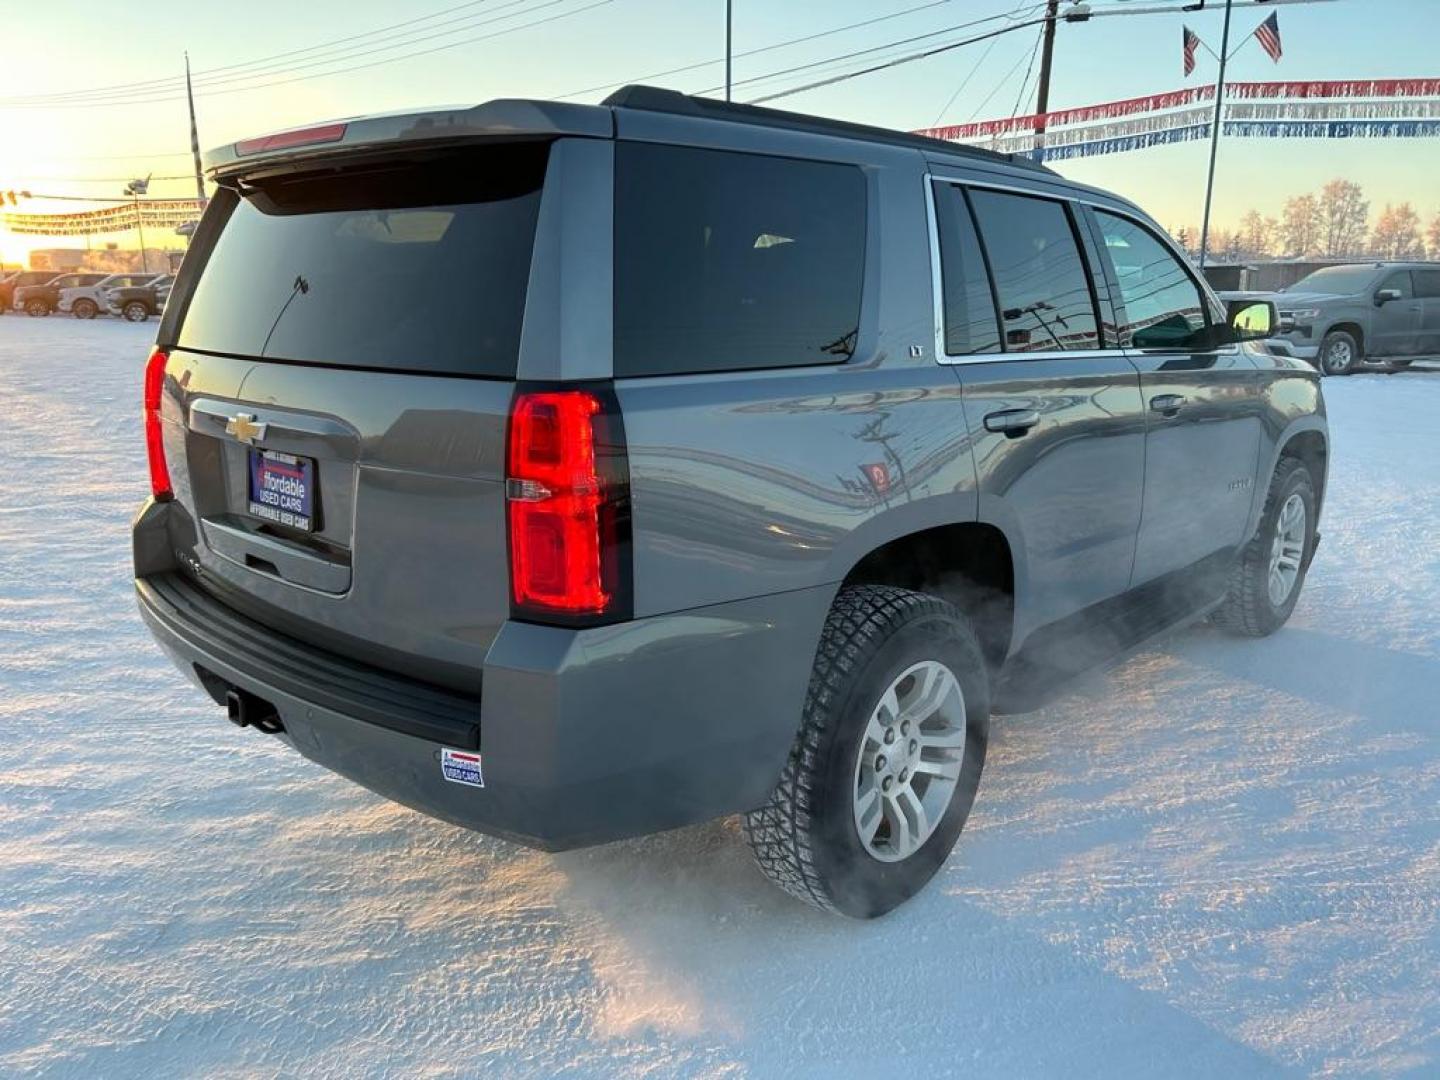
[(658, 99)]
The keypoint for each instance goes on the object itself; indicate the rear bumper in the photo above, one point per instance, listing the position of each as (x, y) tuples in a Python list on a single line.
[(585, 736)]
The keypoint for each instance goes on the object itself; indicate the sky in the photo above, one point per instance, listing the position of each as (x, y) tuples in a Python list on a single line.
[(574, 45)]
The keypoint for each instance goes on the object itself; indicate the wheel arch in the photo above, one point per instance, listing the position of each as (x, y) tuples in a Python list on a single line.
[(1349, 326), (969, 563), (1306, 438)]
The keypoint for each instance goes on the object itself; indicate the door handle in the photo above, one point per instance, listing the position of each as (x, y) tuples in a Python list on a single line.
[(1013, 422), (1167, 404)]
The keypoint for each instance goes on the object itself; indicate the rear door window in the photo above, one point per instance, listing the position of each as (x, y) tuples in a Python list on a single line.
[(419, 266), (1046, 303), (971, 321), (727, 261), (1427, 283)]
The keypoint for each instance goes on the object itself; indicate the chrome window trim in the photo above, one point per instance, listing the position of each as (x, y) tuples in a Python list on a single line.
[(937, 288)]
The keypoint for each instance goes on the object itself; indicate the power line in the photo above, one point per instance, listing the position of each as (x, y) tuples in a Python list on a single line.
[(95, 179), (762, 49), (1025, 82), (985, 55), (923, 54), (149, 99), (203, 75), (908, 58), (863, 52), (1002, 81)]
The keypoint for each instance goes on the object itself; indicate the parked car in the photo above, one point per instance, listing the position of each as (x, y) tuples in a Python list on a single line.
[(42, 299), (87, 301), (136, 303), (19, 280), (596, 470), (1348, 317)]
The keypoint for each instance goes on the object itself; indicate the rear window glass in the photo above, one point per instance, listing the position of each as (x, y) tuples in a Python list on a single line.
[(422, 266), (727, 261)]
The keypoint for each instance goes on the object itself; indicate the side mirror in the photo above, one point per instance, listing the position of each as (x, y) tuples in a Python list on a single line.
[(1251, 320), (1384, 296)]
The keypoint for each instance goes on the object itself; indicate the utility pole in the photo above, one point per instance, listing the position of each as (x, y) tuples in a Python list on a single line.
[(140, 225), (136, 188), (729, 27), (194, 133), (1047, 54), (1215, 133)]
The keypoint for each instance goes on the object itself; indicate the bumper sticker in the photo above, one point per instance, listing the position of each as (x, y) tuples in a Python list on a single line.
[(461, 767)]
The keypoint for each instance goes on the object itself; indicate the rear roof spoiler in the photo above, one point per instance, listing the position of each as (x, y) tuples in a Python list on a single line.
[(519, 117), (505, 118)]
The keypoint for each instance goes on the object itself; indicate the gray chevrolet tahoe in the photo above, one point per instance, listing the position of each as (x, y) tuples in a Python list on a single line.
[(575, 472), (1345, 318)]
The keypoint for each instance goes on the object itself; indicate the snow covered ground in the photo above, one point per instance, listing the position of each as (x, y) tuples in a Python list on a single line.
[(1220, 859)]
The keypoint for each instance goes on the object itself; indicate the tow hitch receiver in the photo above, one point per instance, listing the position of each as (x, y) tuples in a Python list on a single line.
[(247, 710)]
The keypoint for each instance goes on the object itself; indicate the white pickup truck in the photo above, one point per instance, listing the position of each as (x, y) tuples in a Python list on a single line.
[(87, 301)]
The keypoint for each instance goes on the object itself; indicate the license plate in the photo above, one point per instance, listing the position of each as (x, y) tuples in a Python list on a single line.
[(282, 489)]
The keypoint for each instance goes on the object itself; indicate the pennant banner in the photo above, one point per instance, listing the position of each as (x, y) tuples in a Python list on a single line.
[(1118, 129), (1174, 99), (1344, 88), (1128, 142), (1084, 114), (157, 214), (1331, 129), (1255, 129), (1337, 110)]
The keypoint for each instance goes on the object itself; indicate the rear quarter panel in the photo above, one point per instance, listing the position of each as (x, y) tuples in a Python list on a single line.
[(1293, 404), (753, 483)]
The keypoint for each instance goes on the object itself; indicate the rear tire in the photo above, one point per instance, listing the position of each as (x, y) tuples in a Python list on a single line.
[(84, 309), (1255, 604), (135, 311), (894, 728), (1339, 353)]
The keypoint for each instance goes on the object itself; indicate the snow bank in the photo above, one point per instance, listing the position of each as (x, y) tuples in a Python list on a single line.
[(1222, 858)]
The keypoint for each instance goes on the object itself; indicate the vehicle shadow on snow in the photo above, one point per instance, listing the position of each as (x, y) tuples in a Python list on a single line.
[(692, 944), (1392, 688)]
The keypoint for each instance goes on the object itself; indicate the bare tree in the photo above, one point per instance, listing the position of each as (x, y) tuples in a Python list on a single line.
[(1300, 226), (1345, 219), (1397, 233), (1185, 237), (1256, 235), (1432, 236)]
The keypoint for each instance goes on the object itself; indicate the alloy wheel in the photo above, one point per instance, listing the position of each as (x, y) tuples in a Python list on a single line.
[(909, 762), (1338, 357), (1287, 551)]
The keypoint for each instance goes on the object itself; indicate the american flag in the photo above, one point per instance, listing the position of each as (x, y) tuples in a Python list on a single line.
[(1268, 34), (1192, 42)]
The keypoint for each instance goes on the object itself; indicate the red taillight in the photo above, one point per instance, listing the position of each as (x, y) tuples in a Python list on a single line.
[(154, 441), (565, 488), (284, 140)]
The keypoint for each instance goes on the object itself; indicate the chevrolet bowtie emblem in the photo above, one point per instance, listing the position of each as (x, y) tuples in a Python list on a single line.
[(243, 427)]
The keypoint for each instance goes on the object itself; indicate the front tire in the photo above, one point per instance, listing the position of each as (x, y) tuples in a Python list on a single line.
[(84, 309), (36, 308), (135, 311), (1266, 580), (888, 757), (1339, 353)]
